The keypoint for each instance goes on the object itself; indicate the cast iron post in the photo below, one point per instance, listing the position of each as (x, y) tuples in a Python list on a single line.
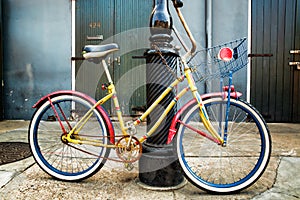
[(159, 166)]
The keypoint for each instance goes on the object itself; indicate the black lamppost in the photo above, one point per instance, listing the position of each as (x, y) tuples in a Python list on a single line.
[(157, 155)]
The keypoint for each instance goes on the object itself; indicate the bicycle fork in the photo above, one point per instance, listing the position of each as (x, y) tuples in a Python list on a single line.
[(202, 111), (227, 89)]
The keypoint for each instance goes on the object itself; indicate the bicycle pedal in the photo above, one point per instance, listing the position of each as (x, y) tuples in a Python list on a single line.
[(129, 166)]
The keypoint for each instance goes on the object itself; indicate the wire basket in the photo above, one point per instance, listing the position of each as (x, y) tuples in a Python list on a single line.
[(208, 65)]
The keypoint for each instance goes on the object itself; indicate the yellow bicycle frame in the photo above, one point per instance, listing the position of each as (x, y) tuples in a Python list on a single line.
[(112, 94)]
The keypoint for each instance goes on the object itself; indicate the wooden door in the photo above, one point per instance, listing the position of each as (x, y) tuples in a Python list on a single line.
[(296, 68), (105, 21), (93, 24), (1, 67), (274, 83)]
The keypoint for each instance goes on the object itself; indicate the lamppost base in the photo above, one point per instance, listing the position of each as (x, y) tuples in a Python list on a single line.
[(159, 168), (156, 188)]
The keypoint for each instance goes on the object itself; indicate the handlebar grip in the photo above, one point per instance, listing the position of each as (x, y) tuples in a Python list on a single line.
[(177, 3)]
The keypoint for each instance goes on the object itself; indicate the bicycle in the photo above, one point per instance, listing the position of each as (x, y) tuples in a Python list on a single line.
[(222, 142)]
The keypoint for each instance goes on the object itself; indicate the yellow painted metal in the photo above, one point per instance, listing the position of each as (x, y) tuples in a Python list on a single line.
[(112, 94), (86, 117), (80, 141), (160, 98), (202, 111), (165, 113)]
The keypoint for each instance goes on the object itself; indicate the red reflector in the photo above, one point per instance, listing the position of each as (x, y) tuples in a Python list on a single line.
[(225, 54)]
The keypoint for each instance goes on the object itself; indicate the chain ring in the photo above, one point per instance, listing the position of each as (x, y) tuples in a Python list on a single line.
[(129, 154)]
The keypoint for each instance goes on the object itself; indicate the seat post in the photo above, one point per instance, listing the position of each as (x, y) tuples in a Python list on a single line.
[(107, 71), (115, 98)]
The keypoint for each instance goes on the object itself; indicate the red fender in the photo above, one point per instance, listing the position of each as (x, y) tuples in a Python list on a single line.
[(88, 98), (173, 129)]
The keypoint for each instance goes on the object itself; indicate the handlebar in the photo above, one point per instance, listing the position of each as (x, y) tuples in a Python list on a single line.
[(177, 5)]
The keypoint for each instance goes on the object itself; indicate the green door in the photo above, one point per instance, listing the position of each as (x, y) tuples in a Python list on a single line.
[(120, 21), (296, 68), (1, 67)]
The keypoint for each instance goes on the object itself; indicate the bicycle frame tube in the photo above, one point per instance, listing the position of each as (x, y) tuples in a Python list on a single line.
[(202, 110), (76, 129), (112, 94), (164, 114), (86, 117), (155, 104), (227, 109)]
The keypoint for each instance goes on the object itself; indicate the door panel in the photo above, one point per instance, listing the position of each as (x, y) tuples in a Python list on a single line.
[(132, 34), (117, 21), (273, 81), (1, 63), (296, 92), (93, 18)]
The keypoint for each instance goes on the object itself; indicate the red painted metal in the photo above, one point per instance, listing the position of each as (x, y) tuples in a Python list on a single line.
[(173, 129), (200, 132), (88, 98)]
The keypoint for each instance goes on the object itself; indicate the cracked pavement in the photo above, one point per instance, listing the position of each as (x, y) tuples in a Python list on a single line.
[(25, 180)]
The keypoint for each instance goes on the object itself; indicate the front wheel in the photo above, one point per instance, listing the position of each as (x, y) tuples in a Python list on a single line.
[(217, 168), (62, 160)]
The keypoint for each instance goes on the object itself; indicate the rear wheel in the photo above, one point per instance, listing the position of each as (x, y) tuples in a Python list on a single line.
[(230, 168), (62, 160)]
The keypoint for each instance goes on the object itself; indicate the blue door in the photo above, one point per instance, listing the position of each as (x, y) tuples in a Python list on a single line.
[(37, 52)]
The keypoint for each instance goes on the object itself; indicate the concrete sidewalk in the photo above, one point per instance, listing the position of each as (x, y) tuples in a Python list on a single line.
[(25, 180)]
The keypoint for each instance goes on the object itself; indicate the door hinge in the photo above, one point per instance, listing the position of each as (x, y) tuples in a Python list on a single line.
[(294, 51), (295, 63)]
